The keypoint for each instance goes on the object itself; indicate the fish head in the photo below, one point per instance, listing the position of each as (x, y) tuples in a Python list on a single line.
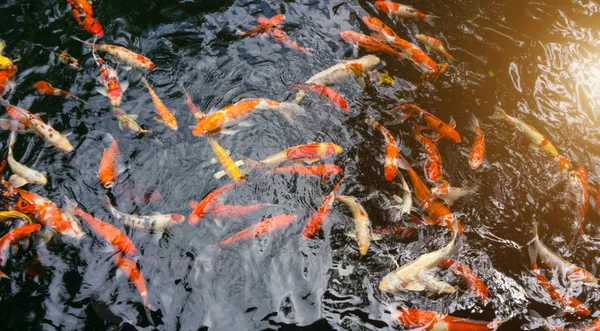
[(92, 25), (369, 62), (41, 86), (5, 63), (177, 218), (580, 274)]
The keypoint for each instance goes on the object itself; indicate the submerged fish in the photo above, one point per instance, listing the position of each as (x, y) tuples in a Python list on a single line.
[(27, 174), (64, 57), (433, 163), (390, 166), (200, 209), (113, 89), (446, 131), (129, 268), (368, 43), (565, 301), (315, 222), (261, 228), (198, 114), (44, 87), (84, 15), (321, 170), (362, 223), (14, 236), (432, 321), (230, 166), (393, 9), (477, 154), (122, 54), (324, 91), (475, 284), (108, 169), (166, 116), (436, 45), (271, 27), (308, 153), (128, 121)]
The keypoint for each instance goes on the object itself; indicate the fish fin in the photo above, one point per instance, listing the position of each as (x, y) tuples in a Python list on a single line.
[(360, 81), (106, 200), (3, 275), (213, 160), (415, 286), (119, 274), (350, 235), (101, 91), (398, 200), (239, 163), (81, 41), (158, 119), (228, 132), (452, 122), (311, 161), (67, 132), (120, 122), (193, 204), (402, 163), (219, 174), (124, 86), (250, 164), (291, 110), (499, 113), (218, 222), (375, 236), (157, 235), (245, 124), (429, 19), (449, 58), (17, 181), (132, 117), (125, 67), (474, 122), (533, 146)]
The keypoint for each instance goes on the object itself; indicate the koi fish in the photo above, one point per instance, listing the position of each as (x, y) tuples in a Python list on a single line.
[(475, 284), (402, 232), (12, 125), (107, 231), (166, 116), (537, 140), (157, 222), (122, 54), (239, 111), (552, 260), (368, 43), (431, 321), (592, 326), (324, 91), (5, 62), (353, 69), (361, 221), (566, 302), (199, 209), (35, 122), (13, 237), (446, 131), (261, 228), (322, 170), (107, 171), (391, 150), (128, 121), (283, 38), (309, 153), (230, 166), (44, 87), (433, 164), (27, 174), (45, 212), (406, 201), (450, 193), (11, 214), (129, 268), (478, 149), (7, 79), (198, 114), (113, 89), (236, 211), (436, 45), (83, 14), (416, 275), (65, 58), (314, 224), (270, 26), (393, 9), (580, 187)]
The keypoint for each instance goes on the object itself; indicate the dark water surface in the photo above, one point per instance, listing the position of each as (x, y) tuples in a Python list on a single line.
[(540, 60)]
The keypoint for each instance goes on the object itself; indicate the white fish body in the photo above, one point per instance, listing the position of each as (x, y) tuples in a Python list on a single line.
[(29, 175), (362, 223)]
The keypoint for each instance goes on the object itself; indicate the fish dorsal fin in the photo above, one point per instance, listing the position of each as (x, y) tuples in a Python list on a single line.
[(415, 286), (452, 122)]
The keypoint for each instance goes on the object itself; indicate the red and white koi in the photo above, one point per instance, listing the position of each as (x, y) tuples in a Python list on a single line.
[(393, 9), (7, 79), (368, 43), (433, 163), (44, 87), (261, 228), (13, 237), (565, 301), (113, 89), (84, 15), (436, 45), (314, 224), (391, 150), (450, 193)]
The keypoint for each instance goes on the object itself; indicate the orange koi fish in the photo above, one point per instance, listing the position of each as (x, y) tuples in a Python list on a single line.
[(84, 15), (198, 114), (436, 45), (322, 170), (236, 211), (366, 42), (7, 77), (592, 326), (391, 150), (445, 130), (478, 149), (565, 301), (34, 122), (309, 153), (433, 164), (431, 321), (314, 224), (113, 89), (324, 91), (122, 54), (107, 171), (261, 228), (44, 87), (271, 27), (13, 237), (563, 163), (45, 212), (393, 9), (166, 116), (129, 267), (283, 38), (114, 236), (475, 284), (239, 111), (199, 209)]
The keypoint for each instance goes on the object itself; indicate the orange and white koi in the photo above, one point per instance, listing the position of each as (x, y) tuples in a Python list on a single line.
[(230, 167), (315, 222), (166, 116), (552, 260), (475, 284), (25, 173), (34, 122), (391, 150), (122, 54), (477, 153), (129, 268), (362, 224), (308, 153), (355, 69), (7, 79), (220, 210), (563, 163), (84, 15), (324, 91), (200, 209), (322, 170), (239, 111), (64, 57), (368, 43), (447, 131), (393, 9), (433, 163), (107, 171), (565, 301), (450, 193), (44, 87), (261, 228), (45, 212), (391, 231), (592, 326), (436, 45), (538, 141), (128, 121), (432, 321), (12, 125), (107, 231), (113, 89), (13, 237)]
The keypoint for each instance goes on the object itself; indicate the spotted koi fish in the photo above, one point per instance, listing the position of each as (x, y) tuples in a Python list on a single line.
[(122, 54), (113, 89), (44, 87), (446, 131)]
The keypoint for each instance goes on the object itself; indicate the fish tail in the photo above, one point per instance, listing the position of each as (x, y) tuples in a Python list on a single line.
[(250, 164), (11, 142), (291, 111), (430, 19), (405, 113), (299, 97), (402, 163), (3, 275), (474, 122), (449, 58), (499, 113), (533, 247)]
